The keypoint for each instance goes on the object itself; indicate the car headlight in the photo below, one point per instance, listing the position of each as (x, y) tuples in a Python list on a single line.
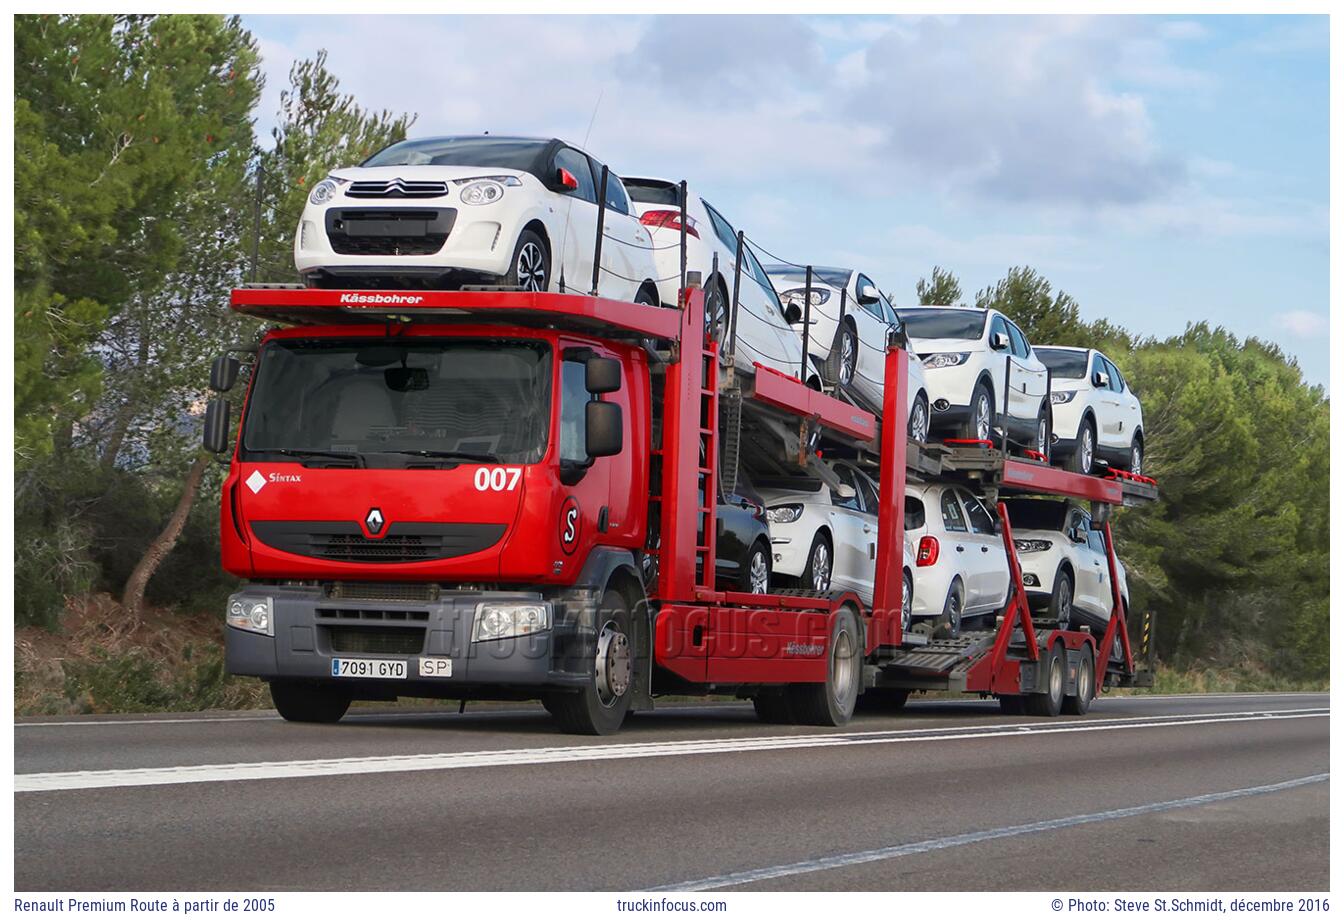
[(1032, 546), (487, 191), (949, 359), (509, 621), (797, 296), (1062, 397), (251, 613), (784, 514), (324, 191)]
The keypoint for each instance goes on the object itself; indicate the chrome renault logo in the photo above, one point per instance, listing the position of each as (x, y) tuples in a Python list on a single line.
[(374, 521)]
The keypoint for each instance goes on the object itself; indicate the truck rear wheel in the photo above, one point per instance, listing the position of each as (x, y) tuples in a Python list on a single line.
[(299, 702), (1050, 702), (600, 707), (1081, 702), (832, 702)]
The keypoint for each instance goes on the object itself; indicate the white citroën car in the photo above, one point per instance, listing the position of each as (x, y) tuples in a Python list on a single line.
[(446, 211)]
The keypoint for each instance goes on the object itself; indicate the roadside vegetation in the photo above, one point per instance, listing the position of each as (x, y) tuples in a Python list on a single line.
[(120, 303)]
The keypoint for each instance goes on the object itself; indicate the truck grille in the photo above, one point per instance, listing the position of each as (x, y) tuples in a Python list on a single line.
[(389, 231), (397, 188), (340, 541), (415, 592), (376, 640)]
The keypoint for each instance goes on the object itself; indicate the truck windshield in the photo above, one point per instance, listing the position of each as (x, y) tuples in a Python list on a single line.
[(1064, 362), (480, 399), (943, 324)]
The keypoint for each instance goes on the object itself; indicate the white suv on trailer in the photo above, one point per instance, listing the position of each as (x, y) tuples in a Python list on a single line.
[(446, 211), (981, 373), (960, 567), (1097, 415)]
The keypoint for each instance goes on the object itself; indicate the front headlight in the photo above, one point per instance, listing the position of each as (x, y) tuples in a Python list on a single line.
[(323, 192), (950, 359), (798, 296), (784, 514), (510, 621), (1032, 546), (253, 614), (486, 191), (1062, 397)]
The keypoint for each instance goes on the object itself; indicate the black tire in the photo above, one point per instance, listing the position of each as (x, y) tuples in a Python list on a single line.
[(600, 707), (752, 580), (843, 357), (1043, 431), (949, 623), (1061, 600), (917, 426), (832, 702), (1011, 704), (979, 425), (1049, 703), (530, 268), (1085, 689), (820, 565), (1085, 448), (300, 702), (882, 700), (716, 315), (907, 602), (644, 296), (1135, 465), (773, 707)]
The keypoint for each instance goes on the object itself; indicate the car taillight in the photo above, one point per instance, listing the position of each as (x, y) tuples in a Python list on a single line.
[(928, 551), (669, 220)]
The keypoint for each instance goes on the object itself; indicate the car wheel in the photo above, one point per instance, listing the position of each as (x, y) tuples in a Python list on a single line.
[(979, 425), (1043, 432), (756, 573), (531, 265), (907, 602), (1061, 600), (951, 618), (716, 315), (600, 707), (642, 296), (832, 702), (1081, 701), (843, 357), (817, 574), (300, 702), (1050, 702), (919, 420), (1086, 450), (1136, 457)]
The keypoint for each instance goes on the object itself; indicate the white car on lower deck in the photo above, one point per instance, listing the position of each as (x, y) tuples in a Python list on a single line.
[(1064, 567), (1097, 416), (850, 322), (960, 567), (441, 212), (764, 335)]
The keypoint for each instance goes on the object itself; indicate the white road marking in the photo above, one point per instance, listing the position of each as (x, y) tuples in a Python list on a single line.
[(429, 713), (239, 772), (942, 843)]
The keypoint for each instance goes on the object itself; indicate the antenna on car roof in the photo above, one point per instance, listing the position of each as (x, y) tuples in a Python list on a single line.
[(586, 134)]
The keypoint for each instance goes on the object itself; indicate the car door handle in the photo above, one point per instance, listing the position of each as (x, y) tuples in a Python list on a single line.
[(867, 528), (961, 549), (984, 549)]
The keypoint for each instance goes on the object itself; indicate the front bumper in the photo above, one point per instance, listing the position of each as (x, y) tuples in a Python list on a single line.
[(311, 628)]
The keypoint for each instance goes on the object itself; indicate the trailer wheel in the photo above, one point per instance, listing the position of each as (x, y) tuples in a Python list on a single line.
[(600, 707), (1061, 599), (773, 707), (300, 702), (832, 702), (1081, 702), (1050, 702)]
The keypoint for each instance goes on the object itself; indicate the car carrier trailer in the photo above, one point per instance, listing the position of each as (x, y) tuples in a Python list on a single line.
[(457, 577)]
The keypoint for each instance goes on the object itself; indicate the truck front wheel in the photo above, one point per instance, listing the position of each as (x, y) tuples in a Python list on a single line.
[(600, 707), (299, 702)]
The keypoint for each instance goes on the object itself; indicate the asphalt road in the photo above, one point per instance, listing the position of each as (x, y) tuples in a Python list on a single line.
[(1218, 792)]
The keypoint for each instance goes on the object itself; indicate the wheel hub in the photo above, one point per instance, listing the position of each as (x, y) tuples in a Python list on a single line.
[(842, 658), (614, 667), (821, 568)]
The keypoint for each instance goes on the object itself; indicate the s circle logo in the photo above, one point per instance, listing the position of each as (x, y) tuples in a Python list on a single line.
[(570, 525)]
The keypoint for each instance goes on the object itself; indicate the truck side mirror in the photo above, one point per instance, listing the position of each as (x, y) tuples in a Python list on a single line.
[(602, 375), (215, 438), (224, 373), (999, 341), (602, 421)]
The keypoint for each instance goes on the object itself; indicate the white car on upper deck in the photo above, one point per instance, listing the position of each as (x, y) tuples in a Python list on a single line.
[(446, 211), (981, 373), (1097, 415)]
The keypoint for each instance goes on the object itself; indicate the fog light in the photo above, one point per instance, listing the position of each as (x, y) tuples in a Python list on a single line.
[(1031, 581), (942, 405)]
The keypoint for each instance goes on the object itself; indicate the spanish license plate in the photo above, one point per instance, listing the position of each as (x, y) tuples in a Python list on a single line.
[(376, 668)]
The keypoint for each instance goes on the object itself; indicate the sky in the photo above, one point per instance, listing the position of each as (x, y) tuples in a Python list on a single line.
[(1162, 170)]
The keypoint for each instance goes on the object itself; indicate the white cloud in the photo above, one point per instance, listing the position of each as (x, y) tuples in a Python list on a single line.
[(1303, 324)]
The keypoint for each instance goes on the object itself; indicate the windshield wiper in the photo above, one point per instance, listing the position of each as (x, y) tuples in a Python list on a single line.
[(446, 455), (356, 459)]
